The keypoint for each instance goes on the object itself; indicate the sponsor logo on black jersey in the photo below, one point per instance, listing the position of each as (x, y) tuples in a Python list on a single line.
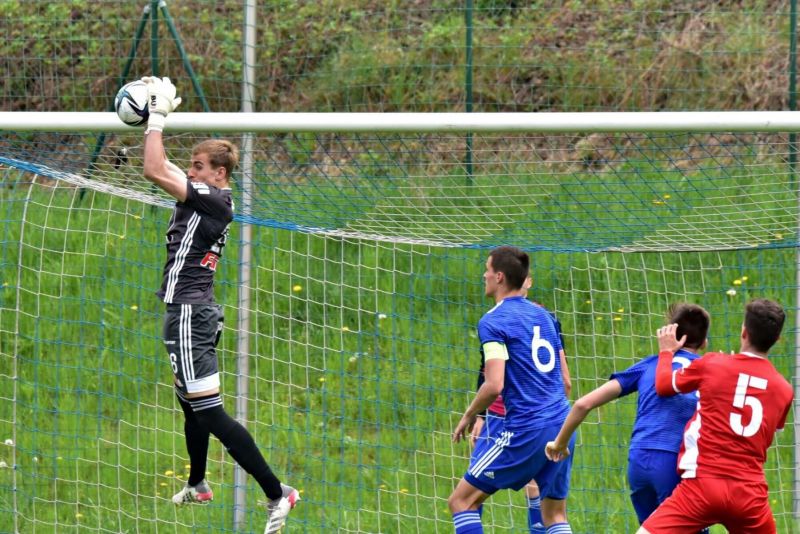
[(209, 261)]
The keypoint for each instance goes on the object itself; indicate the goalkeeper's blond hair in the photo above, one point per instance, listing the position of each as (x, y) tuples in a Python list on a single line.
[(221, 153)]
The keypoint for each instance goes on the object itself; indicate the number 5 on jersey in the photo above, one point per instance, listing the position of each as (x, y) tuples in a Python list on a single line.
[(742, 399)]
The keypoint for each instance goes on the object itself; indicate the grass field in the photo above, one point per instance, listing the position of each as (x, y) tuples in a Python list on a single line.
[(363, 356)]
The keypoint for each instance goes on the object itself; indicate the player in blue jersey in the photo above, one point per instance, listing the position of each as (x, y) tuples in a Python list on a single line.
[(488, 426), (521, 346), (660, 421)]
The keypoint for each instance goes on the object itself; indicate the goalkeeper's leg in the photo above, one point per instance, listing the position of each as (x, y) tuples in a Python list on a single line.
[(196, 442), (237, 440)]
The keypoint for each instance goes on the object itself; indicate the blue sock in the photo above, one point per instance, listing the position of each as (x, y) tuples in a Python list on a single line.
[(535, 524), (468, 522), (559, 528)]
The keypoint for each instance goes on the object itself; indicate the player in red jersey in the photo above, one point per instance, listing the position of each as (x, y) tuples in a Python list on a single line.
[(743, 401)]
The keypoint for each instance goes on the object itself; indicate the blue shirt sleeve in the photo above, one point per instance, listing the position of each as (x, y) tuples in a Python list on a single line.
[(629, 378), (487, 332)]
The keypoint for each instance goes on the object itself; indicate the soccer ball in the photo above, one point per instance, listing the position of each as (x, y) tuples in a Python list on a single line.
[(131, 103)]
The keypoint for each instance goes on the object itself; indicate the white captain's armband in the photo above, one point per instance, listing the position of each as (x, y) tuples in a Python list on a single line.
[(494, 351)]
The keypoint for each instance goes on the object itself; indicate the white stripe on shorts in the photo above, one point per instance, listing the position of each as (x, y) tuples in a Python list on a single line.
[(492, 454), (185, 340)]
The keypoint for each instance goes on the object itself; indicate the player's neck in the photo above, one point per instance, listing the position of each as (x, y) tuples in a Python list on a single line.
[(502, 294), (747, 349)]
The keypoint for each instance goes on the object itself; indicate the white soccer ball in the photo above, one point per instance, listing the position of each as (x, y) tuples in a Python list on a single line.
[(131, 103)]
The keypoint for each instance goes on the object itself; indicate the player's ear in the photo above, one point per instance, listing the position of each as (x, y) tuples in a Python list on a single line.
[(704, 344), (528, 283)]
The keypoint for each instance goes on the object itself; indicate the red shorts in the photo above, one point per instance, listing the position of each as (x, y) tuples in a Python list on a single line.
[(696, 503)]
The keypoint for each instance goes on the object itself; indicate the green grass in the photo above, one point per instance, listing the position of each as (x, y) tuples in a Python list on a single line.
[(357, 377)]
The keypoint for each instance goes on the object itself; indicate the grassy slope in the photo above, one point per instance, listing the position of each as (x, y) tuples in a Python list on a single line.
[(365, 55)]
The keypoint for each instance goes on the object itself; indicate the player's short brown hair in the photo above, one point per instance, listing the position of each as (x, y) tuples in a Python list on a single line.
[(693, 322), (763, 320), (221, 153), (513, 262)]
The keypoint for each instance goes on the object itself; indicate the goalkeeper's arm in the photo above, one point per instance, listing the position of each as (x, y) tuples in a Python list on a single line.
[(157, 168), (162, 100)]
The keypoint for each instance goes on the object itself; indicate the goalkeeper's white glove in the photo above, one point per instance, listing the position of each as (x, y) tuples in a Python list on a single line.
[(161, 101)]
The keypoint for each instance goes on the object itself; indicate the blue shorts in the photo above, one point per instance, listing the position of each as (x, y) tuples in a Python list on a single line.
[(509, 460), (492, 426), (652, 475)]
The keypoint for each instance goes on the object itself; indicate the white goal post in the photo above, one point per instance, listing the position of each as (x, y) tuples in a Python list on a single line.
[(605, 122)]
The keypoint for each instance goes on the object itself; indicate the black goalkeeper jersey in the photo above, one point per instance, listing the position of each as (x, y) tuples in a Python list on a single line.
[(196, 236)]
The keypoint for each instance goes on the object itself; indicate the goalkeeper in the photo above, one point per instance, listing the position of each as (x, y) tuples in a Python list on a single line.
[(196, 236), (659, 424)]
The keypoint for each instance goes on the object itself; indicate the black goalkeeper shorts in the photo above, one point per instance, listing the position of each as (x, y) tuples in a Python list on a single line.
[(191, 334)]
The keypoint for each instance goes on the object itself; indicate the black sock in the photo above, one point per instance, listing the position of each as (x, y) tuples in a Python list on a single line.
[(196, 444), (240, 445)]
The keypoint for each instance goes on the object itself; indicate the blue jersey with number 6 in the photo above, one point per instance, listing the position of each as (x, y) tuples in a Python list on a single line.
[(533, 389)]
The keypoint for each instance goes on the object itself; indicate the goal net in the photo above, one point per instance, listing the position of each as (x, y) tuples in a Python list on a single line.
[(365, 253)]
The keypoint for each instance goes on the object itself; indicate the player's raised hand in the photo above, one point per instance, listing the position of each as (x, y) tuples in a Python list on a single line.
[(555, 453), (162, 100), (667, 338), (162, 91)]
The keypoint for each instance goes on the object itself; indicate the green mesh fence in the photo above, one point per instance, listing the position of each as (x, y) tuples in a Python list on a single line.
[(369, 248), (366, 290)]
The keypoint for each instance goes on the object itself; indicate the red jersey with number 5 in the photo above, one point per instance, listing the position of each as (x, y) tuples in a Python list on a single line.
[(743, 401)]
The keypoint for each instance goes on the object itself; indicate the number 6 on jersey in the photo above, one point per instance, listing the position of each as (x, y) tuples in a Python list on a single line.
[(537, 343)]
